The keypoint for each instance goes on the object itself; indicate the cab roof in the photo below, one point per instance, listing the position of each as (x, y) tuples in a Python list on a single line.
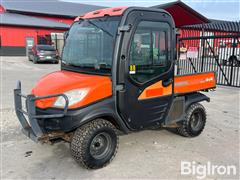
[(116, 11)]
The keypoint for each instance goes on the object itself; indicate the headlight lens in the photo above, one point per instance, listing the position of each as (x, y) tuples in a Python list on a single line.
[(74, 96)]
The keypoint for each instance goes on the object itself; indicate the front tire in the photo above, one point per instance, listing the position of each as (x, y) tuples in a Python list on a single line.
[(94, 145), (194, 122)]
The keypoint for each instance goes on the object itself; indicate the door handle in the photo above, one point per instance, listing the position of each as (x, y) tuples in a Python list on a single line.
[(120, 87), (167, 82)]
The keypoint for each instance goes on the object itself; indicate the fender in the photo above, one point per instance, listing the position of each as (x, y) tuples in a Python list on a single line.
[(102, 109), (180, 105), (194, 98)]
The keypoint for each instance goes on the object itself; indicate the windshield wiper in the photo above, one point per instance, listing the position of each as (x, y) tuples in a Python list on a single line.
[(93, 66), (103, 66), (75, 65), (104, 30)]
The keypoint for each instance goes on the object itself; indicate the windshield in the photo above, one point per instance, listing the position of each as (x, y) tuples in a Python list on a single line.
[(89, 44)]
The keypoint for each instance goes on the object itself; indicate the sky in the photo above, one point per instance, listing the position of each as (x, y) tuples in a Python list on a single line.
[(212, 9)]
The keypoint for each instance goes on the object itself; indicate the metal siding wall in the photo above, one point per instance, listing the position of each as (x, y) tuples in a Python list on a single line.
[(13, 39), (57, 19), (16, 36)]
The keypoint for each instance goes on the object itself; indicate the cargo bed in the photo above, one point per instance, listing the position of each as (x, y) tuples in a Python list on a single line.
[(194, 82)]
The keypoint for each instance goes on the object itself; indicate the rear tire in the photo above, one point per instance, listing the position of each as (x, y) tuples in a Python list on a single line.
[(95, 144), (194, 122)]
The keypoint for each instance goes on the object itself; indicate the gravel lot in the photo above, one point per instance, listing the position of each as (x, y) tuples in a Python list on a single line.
[(146, 154)]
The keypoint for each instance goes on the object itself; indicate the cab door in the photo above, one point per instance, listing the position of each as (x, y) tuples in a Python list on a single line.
[(145, 69)]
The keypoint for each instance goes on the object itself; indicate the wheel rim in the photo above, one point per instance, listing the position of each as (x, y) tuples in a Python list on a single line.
[(101, 145), (196, 121)]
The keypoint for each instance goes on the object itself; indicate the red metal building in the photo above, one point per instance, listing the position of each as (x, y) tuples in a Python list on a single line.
[(24, 23)]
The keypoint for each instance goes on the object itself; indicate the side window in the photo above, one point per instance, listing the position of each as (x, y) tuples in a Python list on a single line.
[(150, 51)]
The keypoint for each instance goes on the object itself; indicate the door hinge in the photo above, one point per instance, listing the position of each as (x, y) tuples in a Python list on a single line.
[(125, 28)]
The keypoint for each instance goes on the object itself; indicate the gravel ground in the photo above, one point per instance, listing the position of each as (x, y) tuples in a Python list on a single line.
[(147, 154)]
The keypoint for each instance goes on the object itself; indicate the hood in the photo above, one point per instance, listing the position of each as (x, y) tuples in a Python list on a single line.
[(99, 87)]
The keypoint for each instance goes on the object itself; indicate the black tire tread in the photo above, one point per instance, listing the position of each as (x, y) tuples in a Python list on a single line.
[(82, 135), (183, 129)]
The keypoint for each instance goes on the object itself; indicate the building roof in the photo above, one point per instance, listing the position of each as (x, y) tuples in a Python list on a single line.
[(183, 14), (218, 25), (22, 20), (48, 7)]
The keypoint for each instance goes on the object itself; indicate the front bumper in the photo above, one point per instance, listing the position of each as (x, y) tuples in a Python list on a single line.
[(29, 118)]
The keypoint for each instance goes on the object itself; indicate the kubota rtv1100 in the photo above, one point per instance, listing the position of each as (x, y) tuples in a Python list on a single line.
[(117, 75)]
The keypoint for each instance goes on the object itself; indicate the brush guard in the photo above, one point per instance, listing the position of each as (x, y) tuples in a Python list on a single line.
[(30, 126)]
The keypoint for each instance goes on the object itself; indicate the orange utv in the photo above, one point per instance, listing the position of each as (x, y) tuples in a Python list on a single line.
[(117, 76)]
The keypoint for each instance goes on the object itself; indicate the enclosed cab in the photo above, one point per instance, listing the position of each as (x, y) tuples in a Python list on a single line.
[(117, 74)]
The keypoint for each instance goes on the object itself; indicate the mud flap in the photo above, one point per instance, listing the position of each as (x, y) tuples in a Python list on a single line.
[(177, 111), (180, 105)]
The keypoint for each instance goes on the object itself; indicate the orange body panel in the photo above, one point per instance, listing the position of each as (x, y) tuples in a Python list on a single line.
[(182, 84), (117, 11), (194, 82), (155, 90), (99, 87)]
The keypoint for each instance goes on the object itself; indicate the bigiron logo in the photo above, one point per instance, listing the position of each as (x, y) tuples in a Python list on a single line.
[(202, 171)]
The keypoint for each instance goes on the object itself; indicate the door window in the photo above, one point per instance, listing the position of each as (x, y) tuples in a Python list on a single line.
[(150, 51)]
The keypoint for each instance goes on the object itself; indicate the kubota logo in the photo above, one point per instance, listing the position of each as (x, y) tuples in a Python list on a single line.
[(209, 79)]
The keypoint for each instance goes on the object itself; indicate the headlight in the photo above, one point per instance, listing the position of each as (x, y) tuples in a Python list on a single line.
[(74, 96)]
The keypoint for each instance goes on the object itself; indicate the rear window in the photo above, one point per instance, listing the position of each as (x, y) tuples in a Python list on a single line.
[(46, 47)]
